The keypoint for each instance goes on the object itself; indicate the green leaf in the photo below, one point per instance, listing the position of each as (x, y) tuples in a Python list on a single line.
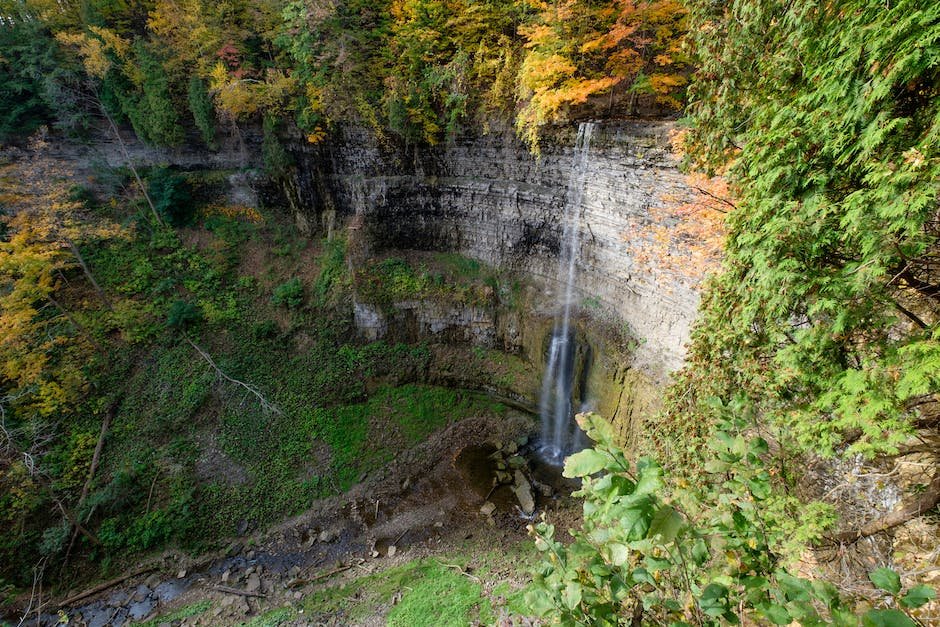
[(667, 523), (700, 552), (827, 593), (886, 579), (649, 478), (887, 618), (597, 428), (714, 599), (794, 588), (619, 554), (716, 466), (759, 446), (776, 614), (585, 463), (635, 521), (917, 596), (571, 595), (538, 601), (655, 564), (760, 488), (641, 575)]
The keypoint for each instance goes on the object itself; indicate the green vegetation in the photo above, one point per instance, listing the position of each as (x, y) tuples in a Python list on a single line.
[(820, 333), (440, 597), (189, 452), (706, 554), (200, 105), (225, 389), (430, 591), (824, 317), (25, 53), (289, 294), (171, 196), (454, 278), (187, 611), (273, 618)]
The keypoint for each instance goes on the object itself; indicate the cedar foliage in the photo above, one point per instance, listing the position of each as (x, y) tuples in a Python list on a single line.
[(826, 313)]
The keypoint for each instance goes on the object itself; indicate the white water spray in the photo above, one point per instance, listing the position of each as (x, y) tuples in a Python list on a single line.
[(560, 433)]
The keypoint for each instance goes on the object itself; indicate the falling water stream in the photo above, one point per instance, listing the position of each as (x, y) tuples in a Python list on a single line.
[(560, 434)]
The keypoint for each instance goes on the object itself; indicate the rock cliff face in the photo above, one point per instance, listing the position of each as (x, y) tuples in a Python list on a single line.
[(490, 199)]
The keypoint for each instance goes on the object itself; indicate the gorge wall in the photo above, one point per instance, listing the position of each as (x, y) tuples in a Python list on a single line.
[(487, 197), (490, 199)]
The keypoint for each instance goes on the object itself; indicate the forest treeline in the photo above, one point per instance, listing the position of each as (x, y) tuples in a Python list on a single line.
[(420, 69)]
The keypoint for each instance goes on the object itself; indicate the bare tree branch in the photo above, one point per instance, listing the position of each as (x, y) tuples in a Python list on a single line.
[(715, 197), (266, 405)]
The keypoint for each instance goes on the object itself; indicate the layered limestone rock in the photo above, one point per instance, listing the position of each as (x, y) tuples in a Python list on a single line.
[(490, 199)]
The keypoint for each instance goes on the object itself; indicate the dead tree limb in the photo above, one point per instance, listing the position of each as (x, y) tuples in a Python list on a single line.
[(77, 525), (128, 160), (926, 501), (725, 201), (265, 403), (95, 460), (244, 593), (88, 275), (101, 587), (460, 570), (303, 582)]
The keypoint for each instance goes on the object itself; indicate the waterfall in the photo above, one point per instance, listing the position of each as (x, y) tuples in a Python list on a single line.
[(560, 433)]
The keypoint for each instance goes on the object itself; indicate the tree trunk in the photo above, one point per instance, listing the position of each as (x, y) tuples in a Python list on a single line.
[(95, 459), (91, 278), (127, 159)]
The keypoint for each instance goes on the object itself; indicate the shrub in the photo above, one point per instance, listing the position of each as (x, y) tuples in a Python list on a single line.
[(264, 330), (54, 539), (706, 554), (183, 315), (332, 270), (200, 104), (289, 294), (171, 196)]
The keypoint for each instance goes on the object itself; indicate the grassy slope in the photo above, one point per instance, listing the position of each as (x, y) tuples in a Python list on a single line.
[(188, 458)]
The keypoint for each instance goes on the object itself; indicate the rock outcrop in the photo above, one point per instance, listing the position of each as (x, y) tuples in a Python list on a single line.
[(488, 198)]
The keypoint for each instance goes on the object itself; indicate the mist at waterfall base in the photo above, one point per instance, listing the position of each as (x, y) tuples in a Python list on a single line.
[(561, 435)]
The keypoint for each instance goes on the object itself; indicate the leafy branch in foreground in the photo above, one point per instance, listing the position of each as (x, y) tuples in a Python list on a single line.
[(708, 554)]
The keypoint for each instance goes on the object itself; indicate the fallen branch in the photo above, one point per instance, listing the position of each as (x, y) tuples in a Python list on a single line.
[(925, 502), (95, 460), (705, 192), (400, 536), (265, 404), (244, 593), (77, 525), (101, 587), (460, 570), (303, 582)]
